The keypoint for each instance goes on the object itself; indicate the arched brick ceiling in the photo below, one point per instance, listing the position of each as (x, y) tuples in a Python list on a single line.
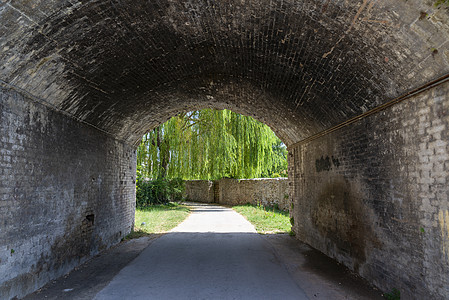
[(299, 66)]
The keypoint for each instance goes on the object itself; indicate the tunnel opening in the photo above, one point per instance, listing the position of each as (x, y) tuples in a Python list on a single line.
[(225, 145), (81, 82), (213, 156)]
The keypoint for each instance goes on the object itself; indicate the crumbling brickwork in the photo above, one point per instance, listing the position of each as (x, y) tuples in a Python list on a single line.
[(67, 191)]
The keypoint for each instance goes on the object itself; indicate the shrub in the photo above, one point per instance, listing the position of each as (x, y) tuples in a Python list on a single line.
[(159, 191), (176, 189)]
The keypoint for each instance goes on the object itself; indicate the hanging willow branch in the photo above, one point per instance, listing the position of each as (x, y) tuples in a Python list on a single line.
[(211, 144)]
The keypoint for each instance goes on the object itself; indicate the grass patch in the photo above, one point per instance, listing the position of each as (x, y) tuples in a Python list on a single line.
[(135, 234), (394, 295), (266, 220), (158, 219)]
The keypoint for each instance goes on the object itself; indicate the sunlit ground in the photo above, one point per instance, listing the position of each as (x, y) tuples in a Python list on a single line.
[(266, 220), (158, 219), (163, 218)]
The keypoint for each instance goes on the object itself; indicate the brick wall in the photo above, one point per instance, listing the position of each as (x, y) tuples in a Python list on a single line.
[(374, 195), (67, 191), (265, 191), (299, 66)]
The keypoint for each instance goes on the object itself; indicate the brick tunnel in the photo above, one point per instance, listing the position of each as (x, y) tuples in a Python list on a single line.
[(356, 89)]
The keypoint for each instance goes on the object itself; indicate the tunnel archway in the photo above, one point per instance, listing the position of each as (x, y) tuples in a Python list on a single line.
[(116, 64), (82, 81)]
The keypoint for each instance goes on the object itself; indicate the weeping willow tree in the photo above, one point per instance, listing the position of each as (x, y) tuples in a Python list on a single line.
[(211, 144)]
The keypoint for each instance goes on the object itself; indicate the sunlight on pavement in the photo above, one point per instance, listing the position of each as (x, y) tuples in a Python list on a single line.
[(211, 218)]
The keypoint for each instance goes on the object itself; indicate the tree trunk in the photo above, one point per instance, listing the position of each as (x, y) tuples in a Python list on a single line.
[(164, 152)]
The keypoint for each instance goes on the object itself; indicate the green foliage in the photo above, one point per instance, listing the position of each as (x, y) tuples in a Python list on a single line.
[(159, 191), (211, 144), (441, 2), (135, 234), (394, 295), (158, 219), (265, 219)]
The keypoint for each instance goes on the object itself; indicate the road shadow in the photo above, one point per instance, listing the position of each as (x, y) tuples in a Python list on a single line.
[(318, 275), (86, 280)]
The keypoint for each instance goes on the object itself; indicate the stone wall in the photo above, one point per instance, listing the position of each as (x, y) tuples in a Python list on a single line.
[(265, 191), (374, 195), (67, 192), (199, 191)]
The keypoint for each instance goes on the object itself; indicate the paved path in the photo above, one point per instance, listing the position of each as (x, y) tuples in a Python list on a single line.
[(214, 254)]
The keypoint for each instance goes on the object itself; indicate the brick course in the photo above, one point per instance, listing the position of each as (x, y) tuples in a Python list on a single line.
[(298, 66), (380, 205), (81, 81), (67, 192)]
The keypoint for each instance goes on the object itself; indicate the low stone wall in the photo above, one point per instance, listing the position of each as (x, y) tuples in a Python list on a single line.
[(266, 191), (199, 191)]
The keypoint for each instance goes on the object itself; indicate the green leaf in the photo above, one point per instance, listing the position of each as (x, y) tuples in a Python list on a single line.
[(211, 144)]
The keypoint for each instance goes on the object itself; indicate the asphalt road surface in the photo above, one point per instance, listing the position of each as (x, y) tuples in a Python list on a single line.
[(214, 254)]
